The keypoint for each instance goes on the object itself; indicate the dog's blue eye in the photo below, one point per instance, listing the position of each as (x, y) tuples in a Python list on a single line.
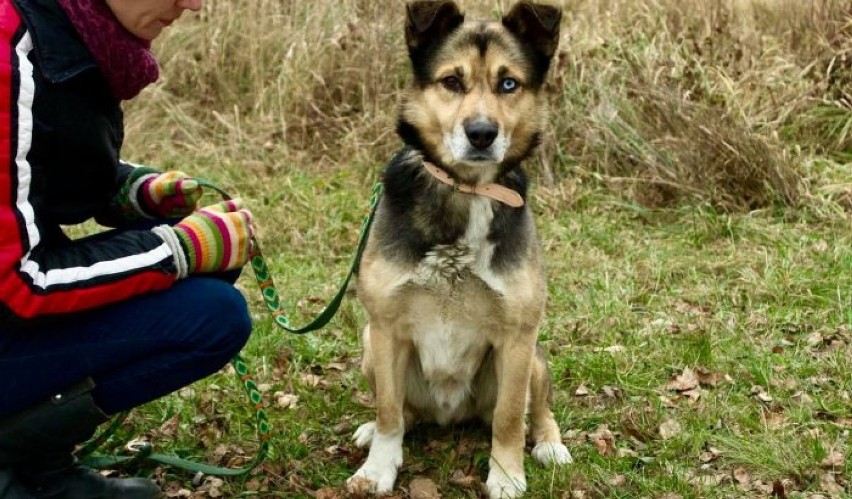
[(453, 84), (508, 85)]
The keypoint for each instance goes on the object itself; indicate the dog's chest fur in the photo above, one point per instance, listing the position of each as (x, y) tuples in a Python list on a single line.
[(453, 296), (444, 266)]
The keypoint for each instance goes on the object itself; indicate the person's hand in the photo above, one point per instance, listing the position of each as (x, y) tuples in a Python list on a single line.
[(171, 194), (216, 238)]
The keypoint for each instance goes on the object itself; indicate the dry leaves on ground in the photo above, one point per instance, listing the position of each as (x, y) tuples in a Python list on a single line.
[(604, 441), (669, 429), (423, 488)]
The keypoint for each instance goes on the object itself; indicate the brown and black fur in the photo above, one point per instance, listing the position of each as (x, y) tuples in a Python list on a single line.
[(453, 282)]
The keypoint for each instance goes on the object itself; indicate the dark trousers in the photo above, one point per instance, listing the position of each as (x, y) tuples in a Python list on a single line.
[(136, 351)]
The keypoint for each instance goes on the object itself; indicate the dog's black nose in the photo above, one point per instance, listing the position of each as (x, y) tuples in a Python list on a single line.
[(481, 134)]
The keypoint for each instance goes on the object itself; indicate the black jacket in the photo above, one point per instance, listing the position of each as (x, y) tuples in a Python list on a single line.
[(61, 132)]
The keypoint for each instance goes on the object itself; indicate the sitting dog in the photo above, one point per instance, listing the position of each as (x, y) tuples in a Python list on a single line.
[(451, 277)]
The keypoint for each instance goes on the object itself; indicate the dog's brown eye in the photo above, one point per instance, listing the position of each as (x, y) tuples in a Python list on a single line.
[(453, 84)]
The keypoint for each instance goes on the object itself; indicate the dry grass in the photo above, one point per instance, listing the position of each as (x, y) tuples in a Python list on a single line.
[(690, 101), (669, 102)]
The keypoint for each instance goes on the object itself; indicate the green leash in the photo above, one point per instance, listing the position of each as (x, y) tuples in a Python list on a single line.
[(144, 452), (267, 286)]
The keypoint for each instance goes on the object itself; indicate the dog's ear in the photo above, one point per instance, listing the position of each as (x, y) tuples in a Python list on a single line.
[(536, 24), (429, 21)]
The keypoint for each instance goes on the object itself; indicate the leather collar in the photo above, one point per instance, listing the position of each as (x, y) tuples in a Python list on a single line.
[(496, 192)]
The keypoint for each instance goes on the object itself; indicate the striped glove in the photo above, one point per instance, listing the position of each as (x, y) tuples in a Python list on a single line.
[(216, 238), (169, 195)]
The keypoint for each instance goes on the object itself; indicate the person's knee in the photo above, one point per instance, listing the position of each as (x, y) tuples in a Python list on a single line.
[(228, 323)]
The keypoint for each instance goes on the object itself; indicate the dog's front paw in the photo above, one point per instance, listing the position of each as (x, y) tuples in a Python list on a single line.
[(502, 486), (378, 473), (550, 453), (371, 479), (363, 436)]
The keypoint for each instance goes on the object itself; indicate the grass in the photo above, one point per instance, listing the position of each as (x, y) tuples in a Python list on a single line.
[(693, 195)]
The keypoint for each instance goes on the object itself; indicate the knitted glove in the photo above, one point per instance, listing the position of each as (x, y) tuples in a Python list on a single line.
[(216, 238), (169, 195), (124, 207)]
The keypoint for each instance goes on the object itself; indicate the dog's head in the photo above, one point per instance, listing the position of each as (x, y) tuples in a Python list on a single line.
[(475, 106)]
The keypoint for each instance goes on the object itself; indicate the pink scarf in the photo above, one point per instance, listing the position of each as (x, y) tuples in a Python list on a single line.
[(125, 60)]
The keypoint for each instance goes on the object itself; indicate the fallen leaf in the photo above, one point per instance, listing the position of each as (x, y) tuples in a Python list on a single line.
[(459, 479), (692, 395), (814, 339), (760, 392), (669, 429), (174, 489), (709, 379), (685, 381), (834, 459), (286, 400), (612, 392), (742, 476), (761, 486), (604, 441), (618, 481), (764, 397), (213, 487), (423, 488), (328, 493), (359, 486), (711, 454), (667, 402), (774, 420), (333, 450), (802, 398), (170, 427), (311, 380), (581, 391), (828, 483)]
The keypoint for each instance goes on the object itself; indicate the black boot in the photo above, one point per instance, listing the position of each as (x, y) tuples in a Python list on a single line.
[(38, 445)]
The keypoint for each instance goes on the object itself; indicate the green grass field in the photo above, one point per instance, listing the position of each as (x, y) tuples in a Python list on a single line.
[(694, 199)]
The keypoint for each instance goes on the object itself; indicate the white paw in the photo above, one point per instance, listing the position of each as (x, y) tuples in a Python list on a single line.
[(550, 453), (372, 478), (378, 473), (502, 486), (363, 436)]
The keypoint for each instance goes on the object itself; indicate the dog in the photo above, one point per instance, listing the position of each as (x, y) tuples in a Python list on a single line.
[(451, 277)]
